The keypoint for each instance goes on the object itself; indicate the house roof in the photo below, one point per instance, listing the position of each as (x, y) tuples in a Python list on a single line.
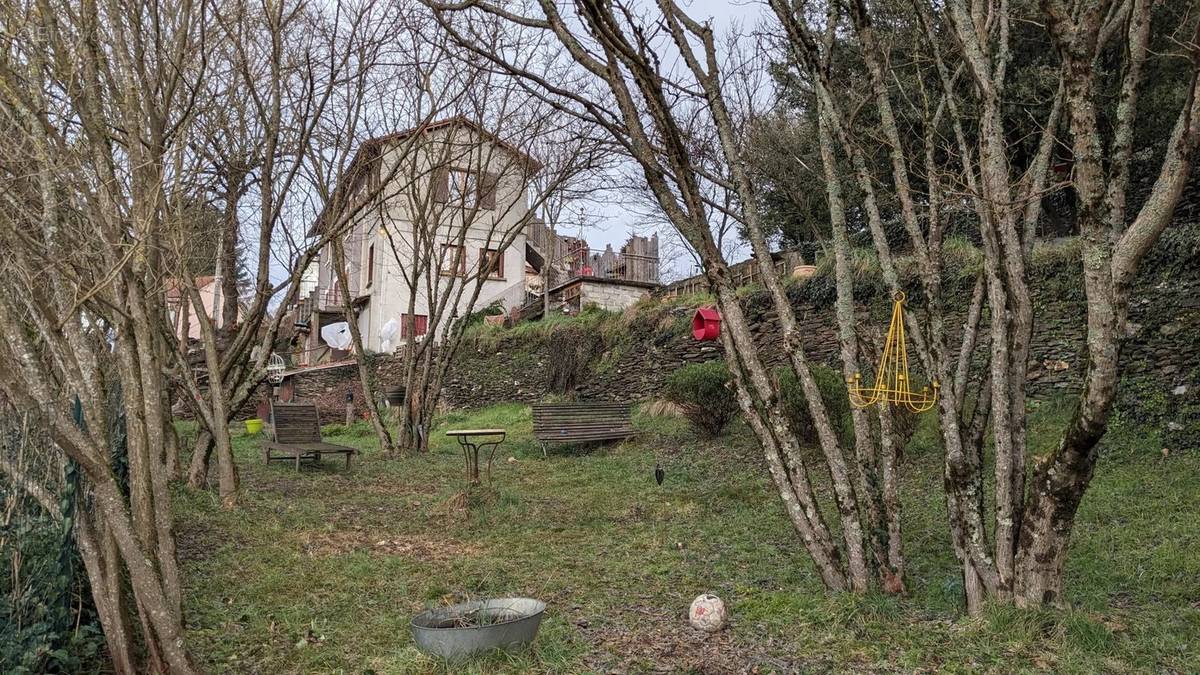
[(372, 148)]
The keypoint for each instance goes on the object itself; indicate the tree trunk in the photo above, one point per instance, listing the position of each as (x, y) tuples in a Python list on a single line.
[(164, 635), (197, 477), (885, 549), (386, 444), (415, 419), (228, 264), (786, 466), (104, 578), (171, 452), (227, 479), (1057, 488)]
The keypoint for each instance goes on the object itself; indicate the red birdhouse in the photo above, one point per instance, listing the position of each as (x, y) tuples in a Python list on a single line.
[(706, 324)]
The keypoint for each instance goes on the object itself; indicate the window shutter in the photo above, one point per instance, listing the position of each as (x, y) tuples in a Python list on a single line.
[(487, 190), (413, 325), (441, 185)]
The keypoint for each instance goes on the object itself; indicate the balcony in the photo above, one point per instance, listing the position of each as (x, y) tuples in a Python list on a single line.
[(321, 300), (606, 265)]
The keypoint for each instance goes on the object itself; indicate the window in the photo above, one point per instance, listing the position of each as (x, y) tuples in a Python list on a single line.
[(491, 262), (459, 186), (370, 264), (464, 187), (454, 263), (413, 325)]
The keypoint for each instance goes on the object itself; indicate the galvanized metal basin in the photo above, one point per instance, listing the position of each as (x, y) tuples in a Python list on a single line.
[(458, 631)]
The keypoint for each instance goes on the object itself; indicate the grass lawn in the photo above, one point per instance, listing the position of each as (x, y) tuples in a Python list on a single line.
[(321, 570)]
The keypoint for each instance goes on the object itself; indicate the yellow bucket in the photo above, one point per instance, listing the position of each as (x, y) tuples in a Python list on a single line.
[(253, 426)]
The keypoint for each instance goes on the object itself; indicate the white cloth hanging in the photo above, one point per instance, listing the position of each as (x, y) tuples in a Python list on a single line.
[(337, 335), (388, 333)]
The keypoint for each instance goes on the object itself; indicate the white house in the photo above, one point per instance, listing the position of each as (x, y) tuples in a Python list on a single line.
[(433, 209)]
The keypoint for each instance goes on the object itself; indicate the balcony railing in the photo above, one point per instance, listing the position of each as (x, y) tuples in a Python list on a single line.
[(318, 299), (605, 264)]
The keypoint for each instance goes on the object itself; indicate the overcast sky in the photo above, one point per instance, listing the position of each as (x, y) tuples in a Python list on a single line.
[(612, 220)]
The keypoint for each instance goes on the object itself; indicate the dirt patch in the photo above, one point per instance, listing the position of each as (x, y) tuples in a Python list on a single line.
[(414, 546), (198, 540), (649, 640), (277, 486)]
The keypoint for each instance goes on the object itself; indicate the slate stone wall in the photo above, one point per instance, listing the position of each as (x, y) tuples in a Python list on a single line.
[(1163, 347)]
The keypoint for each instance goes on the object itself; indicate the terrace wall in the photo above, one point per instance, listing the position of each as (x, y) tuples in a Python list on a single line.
[(637, 351)]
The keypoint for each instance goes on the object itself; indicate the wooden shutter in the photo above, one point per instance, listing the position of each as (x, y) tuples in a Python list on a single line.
[(370, 264), (487, 190), (441, 185), (413, 325)]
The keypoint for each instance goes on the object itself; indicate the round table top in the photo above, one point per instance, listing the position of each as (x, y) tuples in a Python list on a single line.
[(476, 432)]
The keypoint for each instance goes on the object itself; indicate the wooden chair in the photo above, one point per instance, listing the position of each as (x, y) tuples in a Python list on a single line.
[(296, 436), (581, 422)]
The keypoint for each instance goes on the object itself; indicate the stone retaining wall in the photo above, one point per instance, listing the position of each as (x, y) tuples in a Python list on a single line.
[(1163, 343)]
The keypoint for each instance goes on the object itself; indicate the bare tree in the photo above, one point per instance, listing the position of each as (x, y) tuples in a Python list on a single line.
[(955, 156), (962, 156), (617, 79), (1114, 242), (281, 106), (450, 197), (400, 94), (95, 105)]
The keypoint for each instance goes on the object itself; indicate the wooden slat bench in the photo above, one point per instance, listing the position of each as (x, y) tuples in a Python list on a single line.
[(296, 436), (581, 422)]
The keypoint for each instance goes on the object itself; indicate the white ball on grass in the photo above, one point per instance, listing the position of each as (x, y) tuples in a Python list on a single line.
[(708, 613)]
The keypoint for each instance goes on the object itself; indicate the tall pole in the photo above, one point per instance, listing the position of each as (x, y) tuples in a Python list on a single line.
[(548, 264)]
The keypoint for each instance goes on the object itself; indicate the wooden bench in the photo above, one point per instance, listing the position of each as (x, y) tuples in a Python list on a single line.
[(296, 436), (581, 422)]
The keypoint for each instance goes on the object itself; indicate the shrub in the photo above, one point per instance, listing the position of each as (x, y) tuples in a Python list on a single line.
[(704, 392), (795, 404), (48, 623), (574, 348)]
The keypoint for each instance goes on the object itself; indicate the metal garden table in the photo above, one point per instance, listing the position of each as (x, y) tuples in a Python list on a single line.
[(471, 440)]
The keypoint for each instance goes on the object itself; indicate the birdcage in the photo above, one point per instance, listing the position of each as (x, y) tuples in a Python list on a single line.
[(275, 367)]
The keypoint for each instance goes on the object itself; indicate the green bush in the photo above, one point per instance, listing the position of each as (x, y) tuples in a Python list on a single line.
[(704, 392), (795, 404)]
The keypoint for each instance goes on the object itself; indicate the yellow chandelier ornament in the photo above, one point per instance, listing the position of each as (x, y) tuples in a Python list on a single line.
[(892, 383)]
